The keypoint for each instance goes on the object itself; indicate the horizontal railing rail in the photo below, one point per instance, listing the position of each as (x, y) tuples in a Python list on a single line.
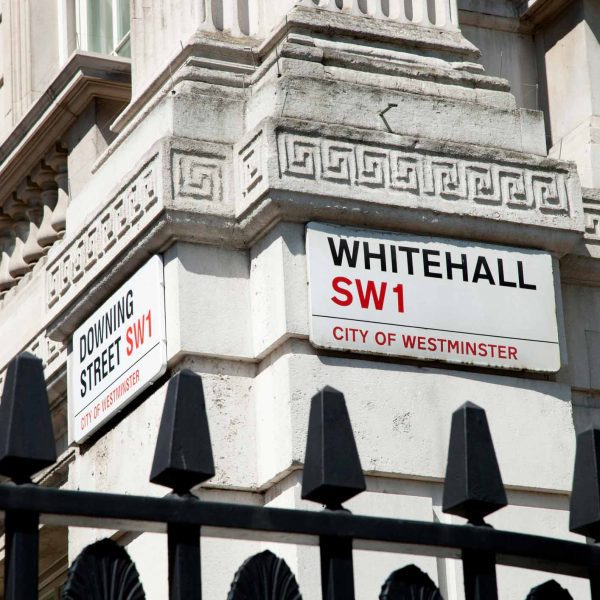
[(140, 513)]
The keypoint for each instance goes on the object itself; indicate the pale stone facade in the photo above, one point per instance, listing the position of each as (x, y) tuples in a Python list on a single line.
[(234, 124)]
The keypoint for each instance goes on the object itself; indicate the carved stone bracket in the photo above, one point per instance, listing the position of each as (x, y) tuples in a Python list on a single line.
[(57, 160), (44, 177), (17, 210), (7, 244), (33, 217)]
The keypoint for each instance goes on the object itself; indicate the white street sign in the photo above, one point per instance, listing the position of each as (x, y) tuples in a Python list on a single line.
[(431, 298), (118, 352)]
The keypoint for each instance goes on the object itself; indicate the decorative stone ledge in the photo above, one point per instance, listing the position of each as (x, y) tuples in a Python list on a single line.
[(288, 170), (377, 170), (115, 226), (229, 58), (534, 12)]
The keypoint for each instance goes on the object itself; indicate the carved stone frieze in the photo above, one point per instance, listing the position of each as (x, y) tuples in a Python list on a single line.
[(252, 170), (591, 207), (345, 164), (116, 225), (437, 178), (197, 176)]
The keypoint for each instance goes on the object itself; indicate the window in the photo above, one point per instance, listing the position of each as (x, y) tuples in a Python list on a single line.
[(95, 25)]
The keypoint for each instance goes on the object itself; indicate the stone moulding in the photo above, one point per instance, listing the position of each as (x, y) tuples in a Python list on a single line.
[(115, 226), (393, 170), (426, 176), (591, 206), (315, 172)]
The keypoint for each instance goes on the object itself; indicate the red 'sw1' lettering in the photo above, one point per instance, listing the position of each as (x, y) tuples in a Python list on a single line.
[(136, 333), (365, 296), (369, 293)]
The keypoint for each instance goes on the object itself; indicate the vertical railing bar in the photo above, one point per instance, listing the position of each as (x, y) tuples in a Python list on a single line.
[(185, 580), (595, 585), (21, 560), (337, 569), (479, 572)]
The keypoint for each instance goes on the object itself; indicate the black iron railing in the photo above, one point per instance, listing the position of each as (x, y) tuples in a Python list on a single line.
[(332, 474)]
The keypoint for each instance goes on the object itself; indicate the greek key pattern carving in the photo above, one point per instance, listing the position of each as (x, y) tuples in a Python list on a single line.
[(53, 354), (428, 176), (122, 218), (197, 177), (252, 164), (591, 210), (48, 350)]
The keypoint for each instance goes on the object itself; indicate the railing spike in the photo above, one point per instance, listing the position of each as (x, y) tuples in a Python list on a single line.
[(183, 457), (26, 437), (473, 487), (585, 495), (332, 469)]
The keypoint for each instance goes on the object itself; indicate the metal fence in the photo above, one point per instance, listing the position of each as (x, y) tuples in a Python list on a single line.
[(332, 475)]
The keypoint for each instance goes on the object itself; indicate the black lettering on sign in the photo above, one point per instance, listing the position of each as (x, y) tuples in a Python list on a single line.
[(501, 280), (428, 264), (522, 284), (338, 254), (409, 257), (482, 271), (380, 256), (462, 266)]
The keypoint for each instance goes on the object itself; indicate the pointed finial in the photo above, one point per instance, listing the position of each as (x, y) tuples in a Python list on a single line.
[(332, 470), (585, 495), (183, 457), (473, 487), (26, 437)]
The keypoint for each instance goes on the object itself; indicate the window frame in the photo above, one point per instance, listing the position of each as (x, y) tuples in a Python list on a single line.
[(73, 32)]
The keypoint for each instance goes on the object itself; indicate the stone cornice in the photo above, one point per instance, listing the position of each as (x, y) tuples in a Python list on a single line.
[(84, 77), (409, 35), (487, 21), (535, 12), (529, 14)]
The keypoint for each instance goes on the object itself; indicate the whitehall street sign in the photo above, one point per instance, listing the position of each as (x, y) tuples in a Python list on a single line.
[(118, 352), (431, 298)]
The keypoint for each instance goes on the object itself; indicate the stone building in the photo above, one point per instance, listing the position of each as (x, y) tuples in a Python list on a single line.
[(210, 133)]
